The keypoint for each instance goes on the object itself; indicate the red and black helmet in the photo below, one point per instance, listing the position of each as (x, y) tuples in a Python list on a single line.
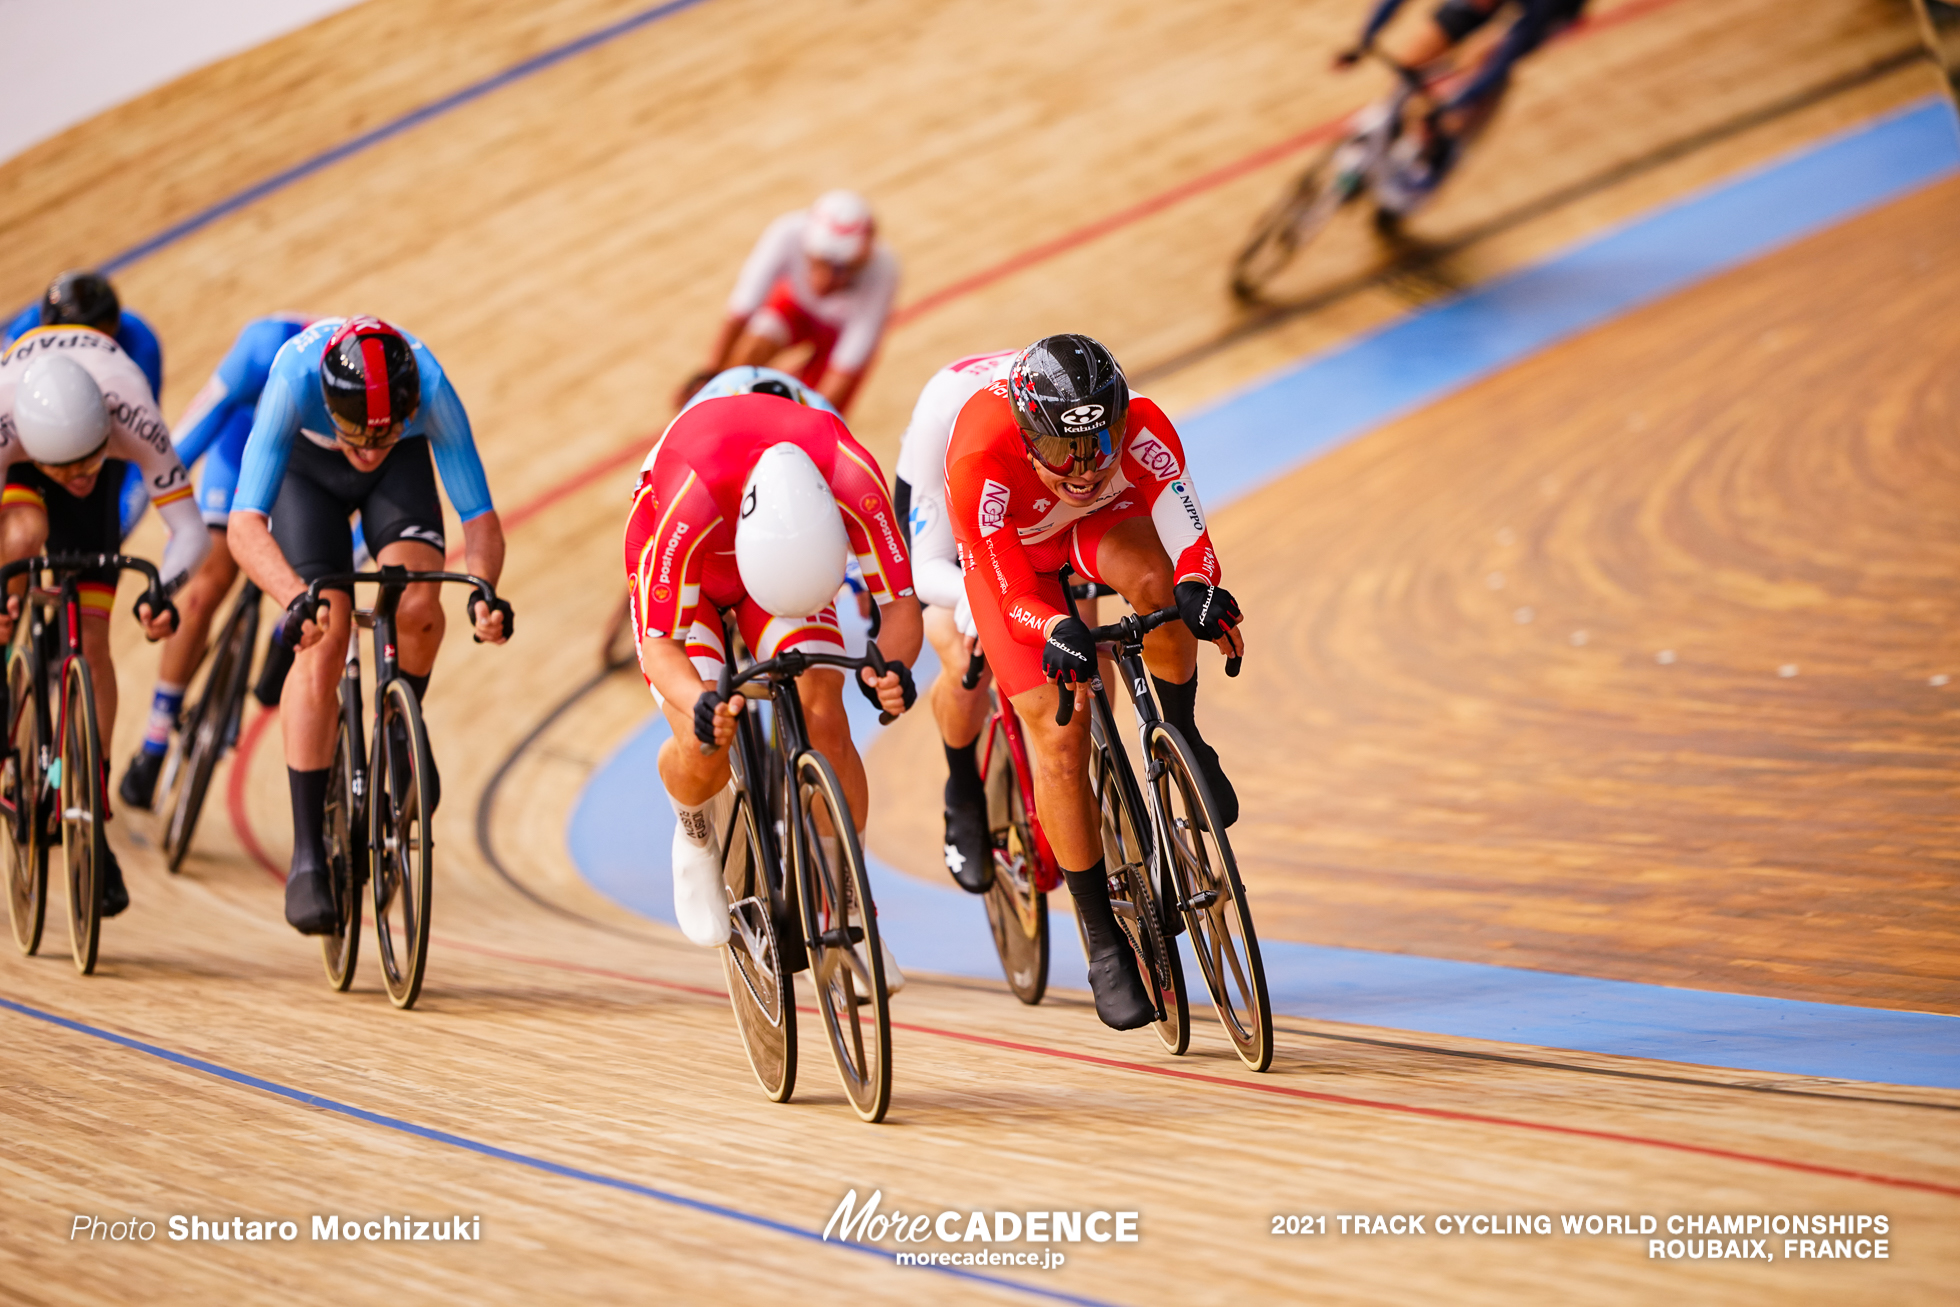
[(369, 379)]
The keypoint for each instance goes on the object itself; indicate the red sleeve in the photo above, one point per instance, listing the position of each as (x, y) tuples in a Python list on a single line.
[(1153, 461), (980, 499), (672, 514), (870, 520)]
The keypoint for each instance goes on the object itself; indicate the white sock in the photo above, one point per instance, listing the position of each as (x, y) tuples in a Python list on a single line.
[(696, 826)]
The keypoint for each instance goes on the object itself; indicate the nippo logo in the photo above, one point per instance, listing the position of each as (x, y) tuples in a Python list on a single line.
[(1082, 415), (993, 507), (1155, 456)]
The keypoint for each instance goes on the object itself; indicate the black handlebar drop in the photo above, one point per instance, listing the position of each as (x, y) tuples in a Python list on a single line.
[(974, 666)]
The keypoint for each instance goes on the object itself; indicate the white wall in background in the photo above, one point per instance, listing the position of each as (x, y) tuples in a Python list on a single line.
[(64, 61)]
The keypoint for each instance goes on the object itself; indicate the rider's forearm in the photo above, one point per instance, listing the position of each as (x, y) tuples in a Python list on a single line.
[(839, 386), (725, 337), (1384, 11), (483, 546), (189, 543), (901, 630), (669, 670), (258, 553)]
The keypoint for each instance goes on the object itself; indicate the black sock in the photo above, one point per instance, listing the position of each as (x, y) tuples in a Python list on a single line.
[(419, 684), (1090, 890), (1179, 704), (963, 774), (309, 816)]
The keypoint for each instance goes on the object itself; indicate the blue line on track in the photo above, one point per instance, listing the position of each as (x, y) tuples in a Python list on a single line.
[(619, 840), (414, 118), (521, 1159)]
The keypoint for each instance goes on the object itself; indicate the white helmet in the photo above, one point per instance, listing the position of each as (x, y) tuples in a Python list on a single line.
[(58, 411), (790, 546), (839, 228)]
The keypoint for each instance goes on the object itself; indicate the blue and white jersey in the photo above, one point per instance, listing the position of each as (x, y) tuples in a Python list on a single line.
[(219, 419), (292, 407), (134, 335)]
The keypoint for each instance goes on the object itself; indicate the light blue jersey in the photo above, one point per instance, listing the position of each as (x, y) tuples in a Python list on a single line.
[(220, 416), (292, 407), (744, 380)]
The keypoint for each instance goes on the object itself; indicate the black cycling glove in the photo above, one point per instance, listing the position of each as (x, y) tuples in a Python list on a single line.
[(1069, 655), (1209, 610), (159, 603), (298, 613), (500, 606), (704, 715), (904, 683)]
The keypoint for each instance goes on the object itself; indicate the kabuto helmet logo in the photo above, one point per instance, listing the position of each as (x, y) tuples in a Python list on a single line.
[(1082, 418)]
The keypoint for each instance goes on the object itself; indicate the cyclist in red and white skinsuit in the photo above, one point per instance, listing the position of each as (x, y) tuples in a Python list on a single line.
[(1059, 464), (688, 516), (821, 277)]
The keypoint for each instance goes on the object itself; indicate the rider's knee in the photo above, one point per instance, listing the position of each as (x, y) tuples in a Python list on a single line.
[(420, 611)]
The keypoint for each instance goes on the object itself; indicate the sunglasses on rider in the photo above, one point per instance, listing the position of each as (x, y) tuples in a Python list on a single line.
[(1063, 454), (359, 437)]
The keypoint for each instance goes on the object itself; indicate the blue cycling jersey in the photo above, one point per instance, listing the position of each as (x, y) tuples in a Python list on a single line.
[(220, 417), (292, 407), (134, 335), (1537, 22)]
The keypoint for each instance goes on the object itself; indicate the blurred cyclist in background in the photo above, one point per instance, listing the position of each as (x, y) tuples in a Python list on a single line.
[(217, 423), (919, 491), (821, 277), (1424, 156), (749, 505)]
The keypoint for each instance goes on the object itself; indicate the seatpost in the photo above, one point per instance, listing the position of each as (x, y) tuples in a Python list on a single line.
[(385, 605)]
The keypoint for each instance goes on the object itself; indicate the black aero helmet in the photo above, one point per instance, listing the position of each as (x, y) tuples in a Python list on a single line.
[(81, 299), (370, 381), (1068, 394)]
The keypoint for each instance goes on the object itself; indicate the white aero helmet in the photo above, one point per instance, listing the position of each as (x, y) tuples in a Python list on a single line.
[(790, 546), (839, 227), (58, 411)]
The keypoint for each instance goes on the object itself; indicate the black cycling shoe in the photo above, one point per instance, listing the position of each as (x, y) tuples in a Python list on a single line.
[(139, 782), (111, 895), (1121, 999), (310, 908), (1222, 792), (969, 845)]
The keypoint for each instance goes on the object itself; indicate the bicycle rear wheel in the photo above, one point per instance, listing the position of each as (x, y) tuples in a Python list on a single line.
[(759, 986), (1127, 860), (400, 794), (22, 811), (1017, 910), (1212, 898), (347, 855), (840, 925), (197, 746), (84, 846), (1283, 229)]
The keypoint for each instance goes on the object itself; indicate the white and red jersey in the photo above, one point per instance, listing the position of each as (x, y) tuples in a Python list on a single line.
[(137, 433), (680, 536), (922, 466), (1015, 533), (856, 313)]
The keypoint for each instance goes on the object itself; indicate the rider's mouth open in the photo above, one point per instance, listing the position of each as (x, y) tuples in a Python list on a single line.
[(1083, 490)]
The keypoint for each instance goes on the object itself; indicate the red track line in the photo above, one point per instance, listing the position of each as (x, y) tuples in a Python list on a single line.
[(241, 818), (1284, 1091)]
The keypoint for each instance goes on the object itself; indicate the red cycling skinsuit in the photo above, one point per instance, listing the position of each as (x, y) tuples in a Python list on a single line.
[(1015, 534), (680, 537)]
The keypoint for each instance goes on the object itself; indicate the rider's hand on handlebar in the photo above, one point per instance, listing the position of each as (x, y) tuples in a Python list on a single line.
[(8, 617), (893, 692), (1069, 655), (494, 625), (304, 625), (159, 624), (714, 718), (1211, 614), (1347, 59)]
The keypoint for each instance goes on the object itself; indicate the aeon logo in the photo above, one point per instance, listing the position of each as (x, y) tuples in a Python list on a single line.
[(993, 507), (1155, 456)]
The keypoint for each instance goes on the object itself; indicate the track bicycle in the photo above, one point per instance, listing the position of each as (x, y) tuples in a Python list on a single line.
[(799, 893), (210, 726), (1336, 176), (381, 789), (1170, 864), (52, 778)]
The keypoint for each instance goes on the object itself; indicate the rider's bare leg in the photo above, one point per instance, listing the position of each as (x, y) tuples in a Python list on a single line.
[(961, 714)]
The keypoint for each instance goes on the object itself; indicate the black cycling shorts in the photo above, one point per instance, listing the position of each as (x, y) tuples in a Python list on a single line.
[(1459, 18), (396, 501), (91, 524)]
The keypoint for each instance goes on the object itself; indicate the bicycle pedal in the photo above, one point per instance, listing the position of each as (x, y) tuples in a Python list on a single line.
[(1203, 899)]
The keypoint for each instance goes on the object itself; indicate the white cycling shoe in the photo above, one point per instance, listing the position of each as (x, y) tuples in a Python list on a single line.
[(700, 897)]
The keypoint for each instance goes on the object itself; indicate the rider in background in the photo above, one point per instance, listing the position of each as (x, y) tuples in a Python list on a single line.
[(750, 504), (74, 408), (357, 416), (920, 494), (1422, 158), (819, 276), (1060, 465), (217, 423)]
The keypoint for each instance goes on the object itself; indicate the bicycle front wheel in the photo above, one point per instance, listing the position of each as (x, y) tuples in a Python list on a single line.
[(22, 809), (1296, 219), (198, 745), (1212, 898), (1127, 860), (400, 795), (1017, 909), (759, 986), (347, 856), (841, 931), (84, 846)]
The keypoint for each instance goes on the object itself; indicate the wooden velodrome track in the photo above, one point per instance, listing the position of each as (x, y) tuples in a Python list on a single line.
[(1729, 474)]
